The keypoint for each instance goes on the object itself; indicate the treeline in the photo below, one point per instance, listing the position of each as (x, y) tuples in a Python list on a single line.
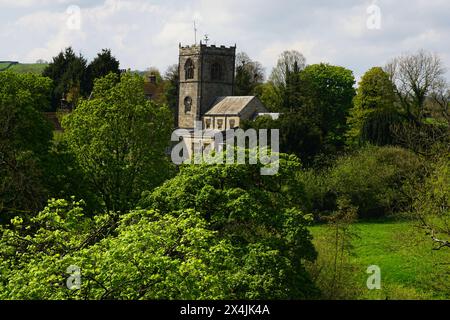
[(104, 197), (73, 77)]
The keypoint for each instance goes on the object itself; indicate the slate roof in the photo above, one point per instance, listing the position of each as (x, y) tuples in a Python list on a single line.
[(229, 105)]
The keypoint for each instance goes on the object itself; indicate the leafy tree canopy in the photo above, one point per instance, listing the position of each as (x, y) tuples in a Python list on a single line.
[(327, 93), (220, 233), (251, 212), (102, 65), (374, 109), (119, 139), (249, 74), (25, 138), (68, 72)]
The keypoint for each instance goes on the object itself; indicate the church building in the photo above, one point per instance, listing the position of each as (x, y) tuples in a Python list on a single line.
[(206, 89)]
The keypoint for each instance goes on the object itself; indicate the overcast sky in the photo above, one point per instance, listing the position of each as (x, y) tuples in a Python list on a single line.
[(144, 33)]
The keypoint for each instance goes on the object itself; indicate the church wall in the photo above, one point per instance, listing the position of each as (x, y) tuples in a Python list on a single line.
[(189, 87), (194, 144), (203, 89), (226, 125), (213, 88), (211, 91), (186, 120)]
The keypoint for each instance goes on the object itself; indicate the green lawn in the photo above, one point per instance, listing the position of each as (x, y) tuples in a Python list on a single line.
[(26, 67), (410, 268)]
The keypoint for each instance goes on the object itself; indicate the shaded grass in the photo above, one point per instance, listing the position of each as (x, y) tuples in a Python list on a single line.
[(410, 268)]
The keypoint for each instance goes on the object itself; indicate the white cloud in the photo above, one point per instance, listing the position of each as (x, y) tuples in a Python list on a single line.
[(29, 3), (147, 32)]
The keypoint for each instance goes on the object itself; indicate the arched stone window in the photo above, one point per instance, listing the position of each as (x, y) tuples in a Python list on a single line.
[(216, 71), (189, 69), (187, 104)]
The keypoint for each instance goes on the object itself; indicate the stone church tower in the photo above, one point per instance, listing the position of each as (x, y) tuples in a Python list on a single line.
[(205, 73)]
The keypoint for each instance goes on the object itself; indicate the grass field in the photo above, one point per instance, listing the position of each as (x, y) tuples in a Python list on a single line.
[(26, 67), (410, 268)]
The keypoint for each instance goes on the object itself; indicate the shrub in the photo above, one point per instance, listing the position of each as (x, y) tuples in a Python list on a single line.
[(373, 179)]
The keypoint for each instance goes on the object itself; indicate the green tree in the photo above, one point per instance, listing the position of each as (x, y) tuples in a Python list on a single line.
[(266, 92), (373, 110), (68, 72), (65, 178), (221, 232), (38, 243), (315, 103), (171, 90), (25, 138), (327, 94), (374, 179), (147, 255), (285, 79), (258, 215), (298, 135), (119, 139), (423, 95), (416, 78), (249, 74), (102, 65)]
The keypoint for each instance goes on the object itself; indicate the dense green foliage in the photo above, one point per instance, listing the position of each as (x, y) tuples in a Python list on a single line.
[(73, 77), (249, 74), (315, 103), (152, 256), (252, 212), (209, 233), (374, 179), (327, 96), (171, 90), (374, 109), (101, 66), (25, 137), (68, 72), (119, 139), (65, 178), (103, 197), (298, 135)]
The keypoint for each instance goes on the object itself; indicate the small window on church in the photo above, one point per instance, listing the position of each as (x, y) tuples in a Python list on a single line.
[(208, 123), (189, 69), (219, 124), (187, 104), (232, 124), (216, 71)]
